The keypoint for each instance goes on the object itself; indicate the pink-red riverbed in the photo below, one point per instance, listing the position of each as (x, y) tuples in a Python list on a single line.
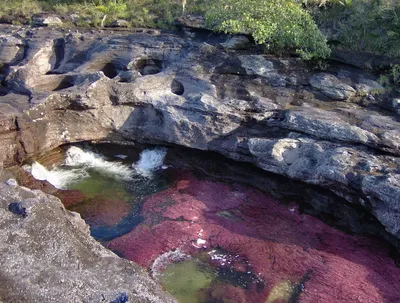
[(274, 244)]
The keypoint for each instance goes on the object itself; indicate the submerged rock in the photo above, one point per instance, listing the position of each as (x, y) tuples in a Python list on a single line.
[(263, 251)]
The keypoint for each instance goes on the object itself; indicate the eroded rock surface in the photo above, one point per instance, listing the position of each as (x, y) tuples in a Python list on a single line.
[(49, 256), (188, 90)]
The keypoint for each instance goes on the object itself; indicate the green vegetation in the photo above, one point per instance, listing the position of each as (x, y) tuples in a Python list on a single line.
[(363, 25), (138, 13), (280, 24), (391, 78), (19, 11)]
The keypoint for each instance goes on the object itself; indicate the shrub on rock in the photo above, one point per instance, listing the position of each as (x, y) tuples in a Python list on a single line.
[(280, 24)]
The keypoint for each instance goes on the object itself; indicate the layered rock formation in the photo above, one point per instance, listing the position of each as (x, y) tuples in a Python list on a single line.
[(196, 90)]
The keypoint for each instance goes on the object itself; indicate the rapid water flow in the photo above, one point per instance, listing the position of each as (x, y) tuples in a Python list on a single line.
[(150, 160), (81, 161), (57, 177), (77, 157)]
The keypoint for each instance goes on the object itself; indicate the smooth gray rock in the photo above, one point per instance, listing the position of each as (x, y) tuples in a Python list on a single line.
[(257, 65), (332, 86), (237, 42), (328, 125), (46, 21), (367, 86), (384, 188)]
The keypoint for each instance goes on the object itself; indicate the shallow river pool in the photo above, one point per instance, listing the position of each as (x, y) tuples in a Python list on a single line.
[(206, 240)]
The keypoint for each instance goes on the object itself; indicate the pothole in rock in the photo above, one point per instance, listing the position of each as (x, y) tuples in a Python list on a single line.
[(110, 70), (66, 82), (125, 80), (216, 239), (58, 55), (55, 82), (244, 94), (177, 87), (147, 66), (3, 88), (4, 69)]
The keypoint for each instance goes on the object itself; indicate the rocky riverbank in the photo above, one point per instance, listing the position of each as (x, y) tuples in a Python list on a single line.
[(333, 129), (48, 255)]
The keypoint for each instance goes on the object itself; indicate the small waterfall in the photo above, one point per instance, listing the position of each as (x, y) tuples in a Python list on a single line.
[(78, 161), (59, 178), (77, 157), (150, 160)]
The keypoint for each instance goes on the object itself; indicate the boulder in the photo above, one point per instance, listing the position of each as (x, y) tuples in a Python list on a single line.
[(46, 20), (192, 21), (237, 43), (367, 86), (120, 23), (257, 65), (331, 86)]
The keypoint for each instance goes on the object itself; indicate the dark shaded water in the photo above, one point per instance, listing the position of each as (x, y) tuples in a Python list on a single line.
[(112, 207)]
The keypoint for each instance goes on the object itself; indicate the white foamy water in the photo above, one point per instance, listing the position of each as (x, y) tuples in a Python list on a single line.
[(76, 156), (79, 161), (57, 177), (150, 160)]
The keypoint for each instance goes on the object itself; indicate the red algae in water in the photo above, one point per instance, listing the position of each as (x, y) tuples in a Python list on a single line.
[(275, 243), (99, 211)]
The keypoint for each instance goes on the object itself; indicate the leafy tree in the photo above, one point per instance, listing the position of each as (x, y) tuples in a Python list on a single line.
[(372, 26), (281, 24)]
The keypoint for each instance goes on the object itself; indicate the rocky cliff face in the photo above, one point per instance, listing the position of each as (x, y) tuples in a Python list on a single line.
[(197, 90)]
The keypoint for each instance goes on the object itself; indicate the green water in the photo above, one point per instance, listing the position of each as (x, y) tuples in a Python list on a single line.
[(128, 194), (202, 280), (187, 279), (98, 184)]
